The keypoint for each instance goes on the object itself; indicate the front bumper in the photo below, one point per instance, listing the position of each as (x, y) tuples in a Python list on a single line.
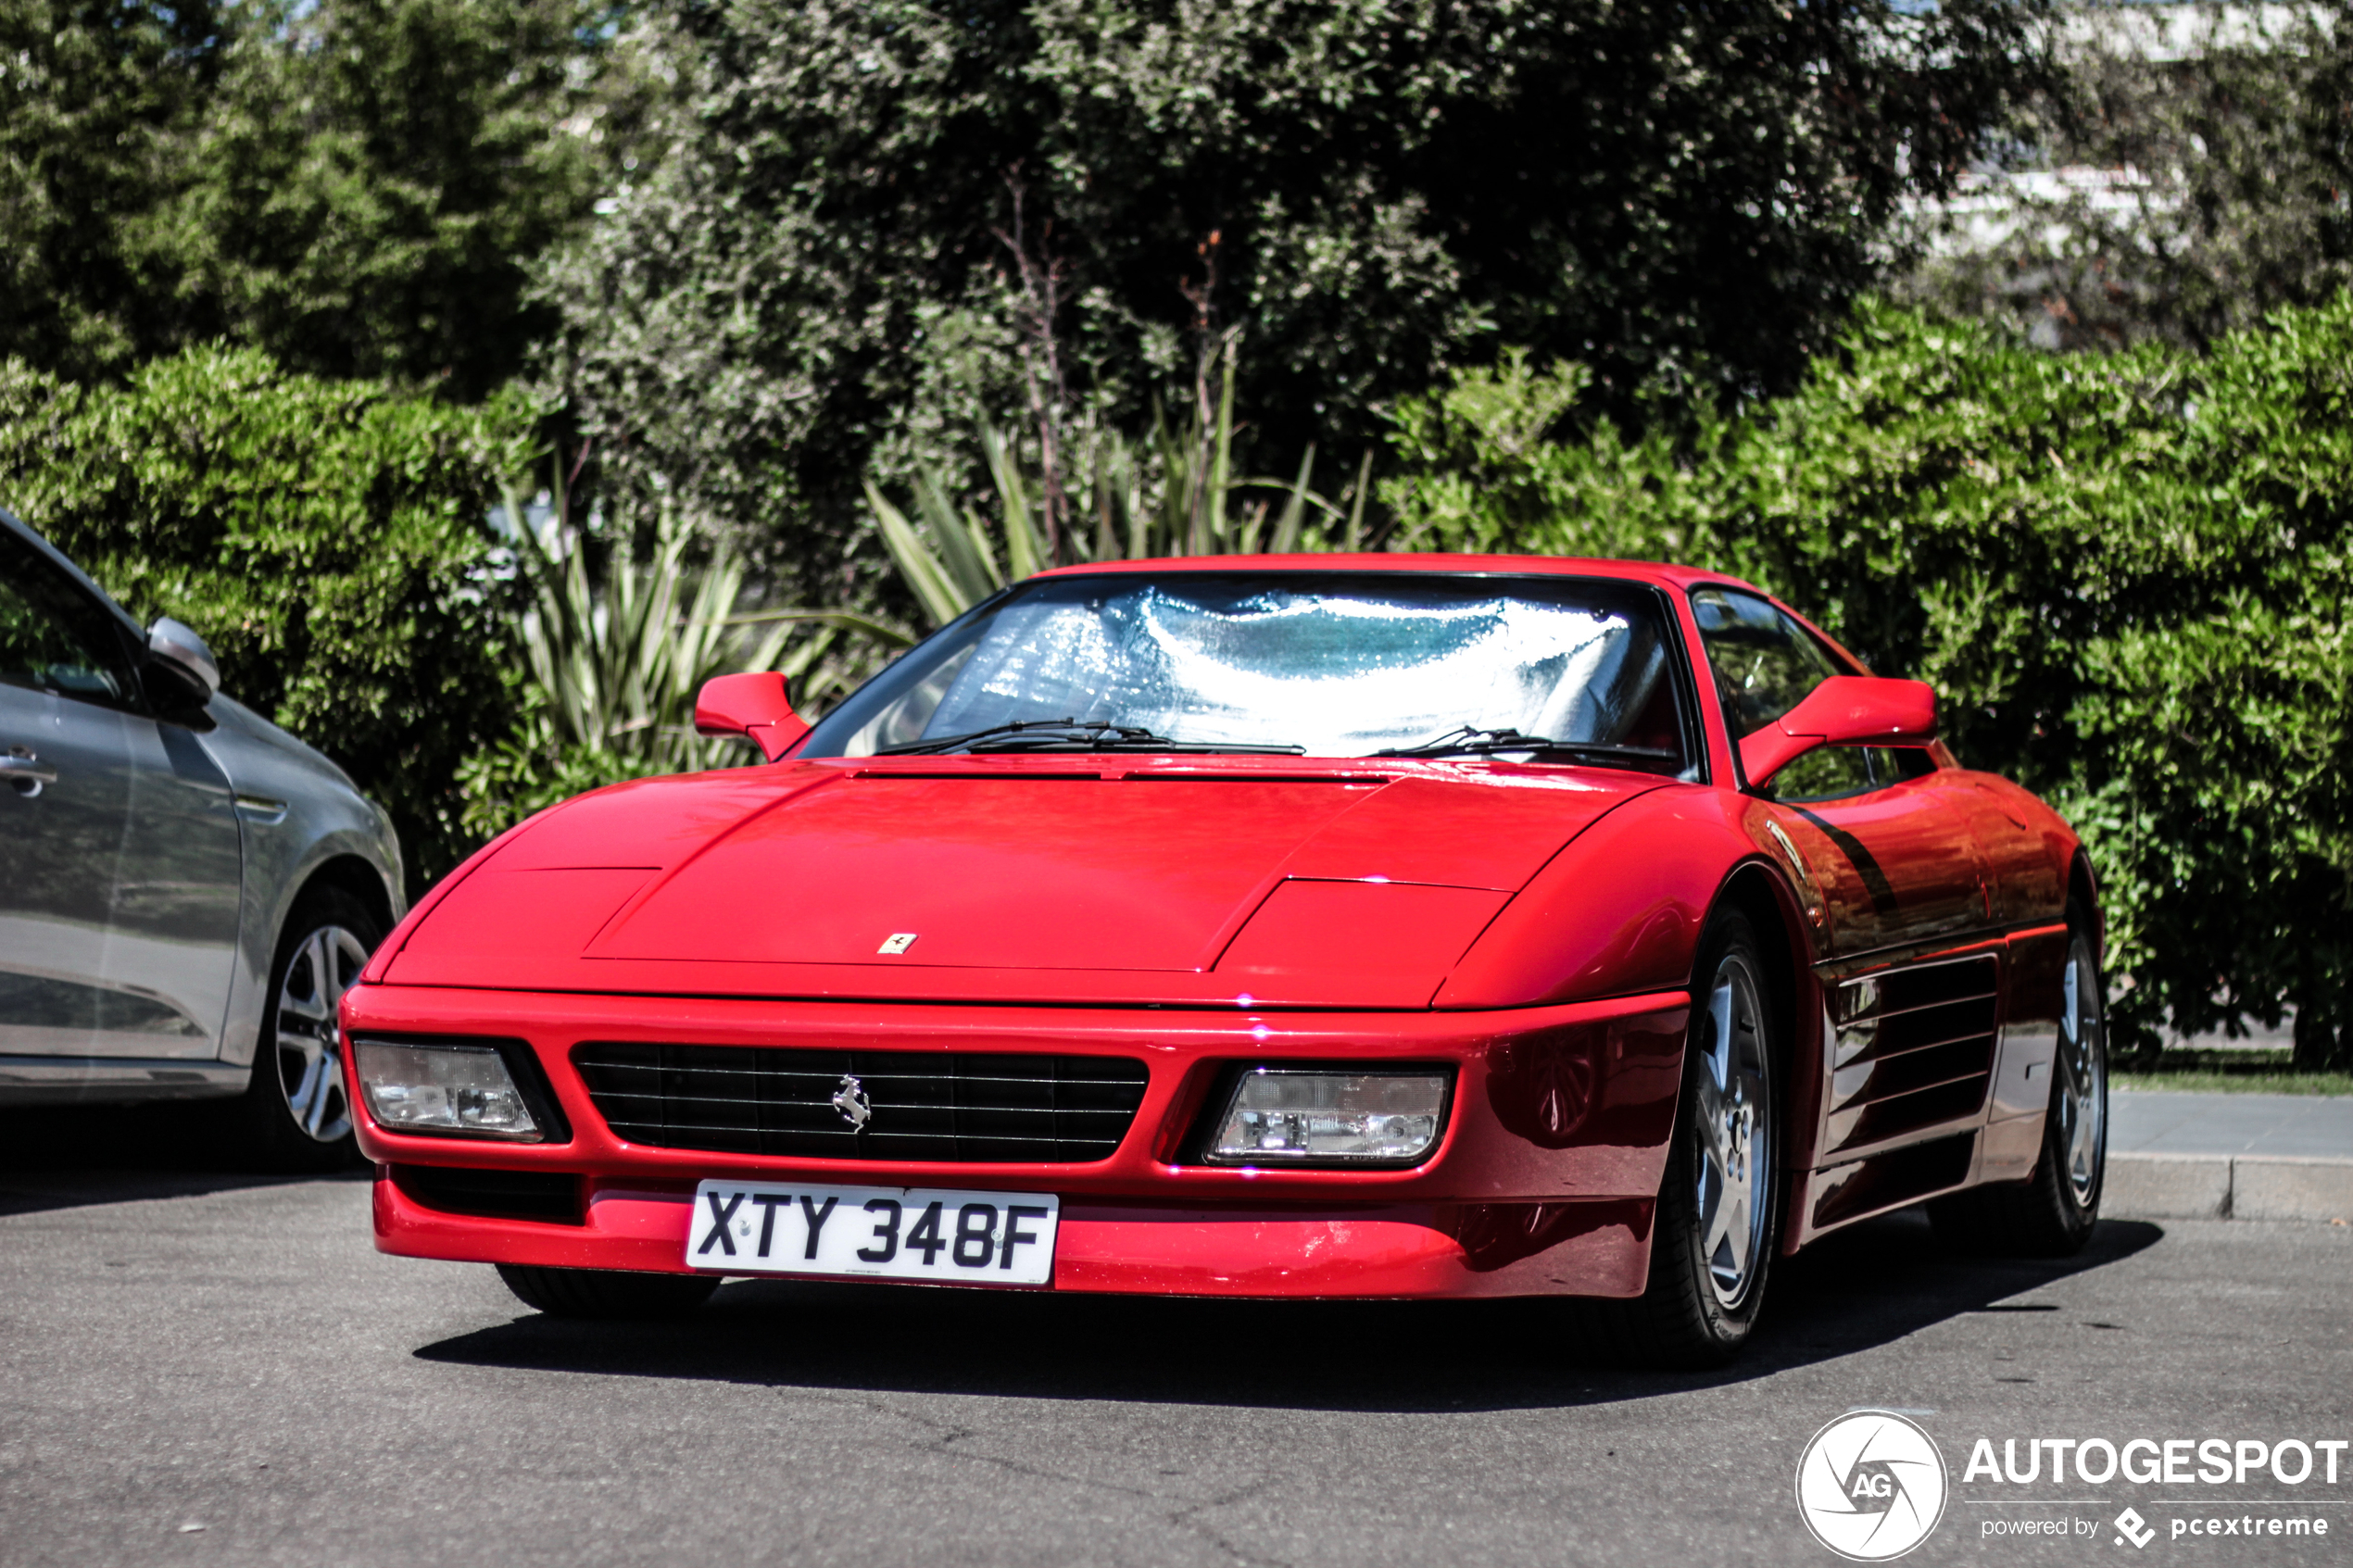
[(1542, 1182)]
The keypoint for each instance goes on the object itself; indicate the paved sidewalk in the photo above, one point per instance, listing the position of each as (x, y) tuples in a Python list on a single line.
[(2157, 1121), (2229, 1157)]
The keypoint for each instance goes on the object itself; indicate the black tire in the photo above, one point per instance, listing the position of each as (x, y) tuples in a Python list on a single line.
[(605, 1293), (2051, 1214), (1704, 1296), (294, 1115)]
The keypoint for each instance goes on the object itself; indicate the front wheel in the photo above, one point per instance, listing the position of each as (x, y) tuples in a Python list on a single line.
[(1719, 1201), (294, 1115), (2051, 1215), (607, 1292)]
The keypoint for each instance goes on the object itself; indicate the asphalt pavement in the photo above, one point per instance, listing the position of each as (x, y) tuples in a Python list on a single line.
[(207, 1368)]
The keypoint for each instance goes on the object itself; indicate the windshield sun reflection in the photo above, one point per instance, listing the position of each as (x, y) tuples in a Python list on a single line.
[(1330, 664)]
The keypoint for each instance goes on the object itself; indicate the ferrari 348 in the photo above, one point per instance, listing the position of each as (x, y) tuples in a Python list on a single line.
[(1331, 926)]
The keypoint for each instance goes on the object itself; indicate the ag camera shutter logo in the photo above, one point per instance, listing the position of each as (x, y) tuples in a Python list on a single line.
[(1871, 1486)]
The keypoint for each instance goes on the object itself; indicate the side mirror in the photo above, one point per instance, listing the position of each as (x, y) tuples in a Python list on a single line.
[(184, 661), (756, 708), (1842, 710)]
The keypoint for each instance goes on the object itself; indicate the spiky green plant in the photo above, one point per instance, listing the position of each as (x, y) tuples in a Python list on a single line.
[(616, 657), (1173, 494)]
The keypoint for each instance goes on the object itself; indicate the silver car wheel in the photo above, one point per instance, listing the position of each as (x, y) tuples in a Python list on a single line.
[(310, 1045), (2082, 1076), (1733, 1111)]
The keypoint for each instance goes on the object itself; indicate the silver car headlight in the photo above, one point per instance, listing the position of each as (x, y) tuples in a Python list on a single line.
[(1320, 1116), (454, 1086)]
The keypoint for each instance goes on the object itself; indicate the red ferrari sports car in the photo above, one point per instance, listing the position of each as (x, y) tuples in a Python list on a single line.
[(1333, 926)]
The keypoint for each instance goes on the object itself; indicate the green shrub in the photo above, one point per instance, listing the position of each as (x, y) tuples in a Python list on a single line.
[(2125, 576), (328, 539)]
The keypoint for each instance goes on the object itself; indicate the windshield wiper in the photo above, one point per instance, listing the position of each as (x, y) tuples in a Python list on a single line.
[(1471, 741), (1069, 735)]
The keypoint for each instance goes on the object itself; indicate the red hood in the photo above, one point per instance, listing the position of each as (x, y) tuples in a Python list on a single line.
[(1016, 878)]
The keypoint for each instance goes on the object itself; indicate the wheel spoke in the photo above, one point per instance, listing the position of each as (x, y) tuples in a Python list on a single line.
[(306, 1088), (1720, 1227), (322, 1098), (309, 1009), (1712, 1143), (343, 964), (1739, 1236), (1719, 1029)]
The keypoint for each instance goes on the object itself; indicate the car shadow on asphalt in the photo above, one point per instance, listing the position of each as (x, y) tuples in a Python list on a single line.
[(1876, 1283), (72, 1156)]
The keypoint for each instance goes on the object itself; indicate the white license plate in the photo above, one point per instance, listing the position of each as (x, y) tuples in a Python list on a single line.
[(878, 1233)]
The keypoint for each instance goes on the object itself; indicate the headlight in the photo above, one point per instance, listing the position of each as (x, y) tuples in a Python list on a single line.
[(1300, 1116), (461, 1088)]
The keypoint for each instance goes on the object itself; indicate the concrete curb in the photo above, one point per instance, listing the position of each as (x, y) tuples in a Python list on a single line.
[(2228, 1187)]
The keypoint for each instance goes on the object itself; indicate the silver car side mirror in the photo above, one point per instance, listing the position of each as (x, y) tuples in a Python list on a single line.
[(170, 641)]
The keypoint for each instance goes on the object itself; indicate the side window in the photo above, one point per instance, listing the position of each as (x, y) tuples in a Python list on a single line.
[(52, 638), (1827, 772), (1824, 773), (1764, 662), (1893, 764)]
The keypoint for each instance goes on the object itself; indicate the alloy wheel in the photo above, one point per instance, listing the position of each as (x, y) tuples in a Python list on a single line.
[(310, 1045), (2083, 1066), (1732, 1109)]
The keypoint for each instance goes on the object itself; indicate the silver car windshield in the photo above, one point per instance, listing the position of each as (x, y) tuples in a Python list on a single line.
[(1334, 664)]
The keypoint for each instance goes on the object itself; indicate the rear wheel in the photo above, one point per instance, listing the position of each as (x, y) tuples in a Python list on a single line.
[(2051, 1215), (605, 1293), (1720, 1200), (294, 1115)]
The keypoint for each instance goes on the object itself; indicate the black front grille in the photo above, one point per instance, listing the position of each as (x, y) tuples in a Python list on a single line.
[(924, 1105), (504, 1195)]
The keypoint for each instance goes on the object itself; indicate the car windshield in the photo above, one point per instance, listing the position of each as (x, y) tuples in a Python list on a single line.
[(1330, 664)]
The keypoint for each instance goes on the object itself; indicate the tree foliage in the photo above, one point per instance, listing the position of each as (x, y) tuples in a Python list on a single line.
[(329, 540), (2125, 576), (2184, 176), (359, 188), (95, 98), (374, 177), (819, 277)]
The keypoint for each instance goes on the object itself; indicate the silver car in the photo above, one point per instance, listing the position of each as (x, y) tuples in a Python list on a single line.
[(185, 889)]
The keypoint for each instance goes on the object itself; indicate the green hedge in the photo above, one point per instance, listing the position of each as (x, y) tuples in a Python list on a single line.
[(2125, 575), (329, 540)]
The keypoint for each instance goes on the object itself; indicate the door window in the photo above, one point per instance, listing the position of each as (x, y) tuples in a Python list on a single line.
[(1828, 773), (1764, 662), (52, 637)]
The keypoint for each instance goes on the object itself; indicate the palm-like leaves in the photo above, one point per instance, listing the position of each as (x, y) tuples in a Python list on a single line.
[(616, 664), (1174, 494), (617, 656)]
